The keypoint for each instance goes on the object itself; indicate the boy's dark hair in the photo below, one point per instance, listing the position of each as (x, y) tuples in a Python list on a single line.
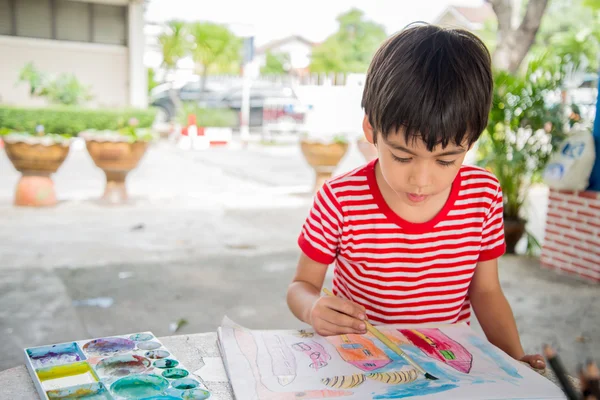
[(435, 83)]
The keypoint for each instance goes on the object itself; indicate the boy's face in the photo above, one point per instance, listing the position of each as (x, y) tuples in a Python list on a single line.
[(413, 172)]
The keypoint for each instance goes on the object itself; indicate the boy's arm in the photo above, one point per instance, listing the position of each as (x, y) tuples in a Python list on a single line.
[(494, 313), (328, 315)]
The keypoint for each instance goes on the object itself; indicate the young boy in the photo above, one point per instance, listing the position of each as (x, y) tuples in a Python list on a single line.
[(415, 236)]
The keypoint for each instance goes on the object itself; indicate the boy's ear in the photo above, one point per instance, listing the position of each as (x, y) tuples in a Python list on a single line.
[(368, 130)]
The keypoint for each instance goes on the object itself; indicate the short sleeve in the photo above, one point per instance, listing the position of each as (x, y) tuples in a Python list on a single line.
[(320, 236), (493, 244)]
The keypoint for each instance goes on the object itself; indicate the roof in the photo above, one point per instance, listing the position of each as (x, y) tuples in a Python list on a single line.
[(276, 43), (471, 16)]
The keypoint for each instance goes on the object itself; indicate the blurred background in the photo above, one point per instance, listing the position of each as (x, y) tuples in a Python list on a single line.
[(161, 157)]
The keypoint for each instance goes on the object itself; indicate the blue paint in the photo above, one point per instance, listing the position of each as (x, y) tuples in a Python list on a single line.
[(495, 356), (185, 384), (419, 388), (58, 354), (140, 386)]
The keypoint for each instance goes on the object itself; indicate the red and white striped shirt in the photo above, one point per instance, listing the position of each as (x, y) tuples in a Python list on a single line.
[(403, 272)]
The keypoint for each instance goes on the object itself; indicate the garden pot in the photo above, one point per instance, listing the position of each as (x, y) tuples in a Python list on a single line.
[(323, 158), (367, 149), (36, 160), (116, 159), (513, 232)]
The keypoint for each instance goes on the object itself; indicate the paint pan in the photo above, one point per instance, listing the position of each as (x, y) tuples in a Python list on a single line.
[(149, 345), (195, 394), (166, 363), (140, 386), (58, 354), (157, 354), (141, 337), (175, 373), (64, 376), (91, 391), (185, 384), (108, 346), (122, 365)]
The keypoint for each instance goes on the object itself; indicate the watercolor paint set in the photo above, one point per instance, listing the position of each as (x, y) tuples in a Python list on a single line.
[(136, 366)]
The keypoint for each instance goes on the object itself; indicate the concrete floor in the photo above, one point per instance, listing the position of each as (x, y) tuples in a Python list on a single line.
[(208, 234)]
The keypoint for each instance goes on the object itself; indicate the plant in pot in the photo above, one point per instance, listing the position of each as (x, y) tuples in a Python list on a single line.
[(323, 155), (520, 136), (117, 153), (36, 155)]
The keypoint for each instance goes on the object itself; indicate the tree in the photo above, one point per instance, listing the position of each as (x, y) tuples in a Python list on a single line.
[(351, 48), (276, 64), (515, 40), (173, 44), (214, 46)]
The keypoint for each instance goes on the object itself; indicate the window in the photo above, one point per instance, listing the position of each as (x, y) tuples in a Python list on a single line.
[(78, 21), (109, 24), (34, 18), (72, 20), (6, 17)]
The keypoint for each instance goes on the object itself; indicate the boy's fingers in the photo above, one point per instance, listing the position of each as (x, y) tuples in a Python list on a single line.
[(337, 329), (346, 307), (343, 320)]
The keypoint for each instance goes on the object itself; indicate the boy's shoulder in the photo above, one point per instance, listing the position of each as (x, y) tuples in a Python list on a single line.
[(476, 177), (353, 180)]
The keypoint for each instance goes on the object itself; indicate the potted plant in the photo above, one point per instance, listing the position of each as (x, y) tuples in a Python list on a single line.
[(36, 156), (117, 153), (522, 131), (323, 156)]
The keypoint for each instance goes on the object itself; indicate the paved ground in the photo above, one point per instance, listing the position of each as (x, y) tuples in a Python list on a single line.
[(207, 234)]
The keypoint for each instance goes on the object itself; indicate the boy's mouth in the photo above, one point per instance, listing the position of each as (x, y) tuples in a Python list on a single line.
[(416, 198)]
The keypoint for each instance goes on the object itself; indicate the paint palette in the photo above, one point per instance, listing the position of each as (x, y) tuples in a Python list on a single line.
[(135, 366)]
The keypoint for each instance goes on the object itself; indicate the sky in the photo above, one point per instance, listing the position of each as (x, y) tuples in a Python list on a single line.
[(268, 20)]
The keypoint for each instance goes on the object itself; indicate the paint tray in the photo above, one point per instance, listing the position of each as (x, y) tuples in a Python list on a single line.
[(135, 366)]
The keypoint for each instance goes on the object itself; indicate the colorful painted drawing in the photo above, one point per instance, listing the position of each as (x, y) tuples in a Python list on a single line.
[(317, 353), (360, 352), (353, 381), (361, 367), (439, 346), (284, 363), (247, 345)]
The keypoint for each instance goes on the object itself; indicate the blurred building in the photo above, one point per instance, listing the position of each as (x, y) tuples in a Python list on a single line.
[(470, 18), (101, 42)]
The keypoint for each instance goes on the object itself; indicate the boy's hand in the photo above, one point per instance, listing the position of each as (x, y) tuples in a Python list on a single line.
[(335, 316), (535, 360)]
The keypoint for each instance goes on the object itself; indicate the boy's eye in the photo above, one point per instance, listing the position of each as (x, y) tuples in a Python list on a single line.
[(400, 159), (445, 163)]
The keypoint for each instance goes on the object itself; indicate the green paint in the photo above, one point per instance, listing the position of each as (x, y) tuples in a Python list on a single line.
[(175, 373)]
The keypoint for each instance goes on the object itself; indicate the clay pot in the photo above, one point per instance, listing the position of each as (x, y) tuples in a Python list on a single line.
[(323, 158), (116, 159), (513, 232), (368, 150), (36, 162)]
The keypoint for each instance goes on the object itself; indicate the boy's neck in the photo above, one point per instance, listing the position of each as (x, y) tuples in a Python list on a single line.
[(413, 214)]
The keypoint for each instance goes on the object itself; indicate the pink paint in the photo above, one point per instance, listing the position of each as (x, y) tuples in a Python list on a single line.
[(317, 353)]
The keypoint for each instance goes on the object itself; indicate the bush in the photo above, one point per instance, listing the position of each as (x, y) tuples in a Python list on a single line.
[(70, 120), (208, 117)]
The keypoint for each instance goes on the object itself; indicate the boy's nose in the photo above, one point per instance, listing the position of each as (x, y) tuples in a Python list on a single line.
[(419, 178)]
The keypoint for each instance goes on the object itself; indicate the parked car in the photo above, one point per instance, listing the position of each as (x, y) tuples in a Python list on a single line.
[(273, 102), (189, 92)]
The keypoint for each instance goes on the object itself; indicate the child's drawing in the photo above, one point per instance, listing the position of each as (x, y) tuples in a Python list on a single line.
[(316, 353), (360, 352), (437, 345), (361, 367), (284, 363)]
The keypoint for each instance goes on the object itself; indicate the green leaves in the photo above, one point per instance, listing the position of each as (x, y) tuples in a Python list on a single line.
[(70, 121), (351, 48)]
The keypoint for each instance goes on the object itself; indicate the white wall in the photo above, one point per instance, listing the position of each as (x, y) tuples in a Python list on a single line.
[(103, 67)]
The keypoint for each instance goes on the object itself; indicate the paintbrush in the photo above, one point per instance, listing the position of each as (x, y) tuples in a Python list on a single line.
[(385, 340), (560, 373)]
